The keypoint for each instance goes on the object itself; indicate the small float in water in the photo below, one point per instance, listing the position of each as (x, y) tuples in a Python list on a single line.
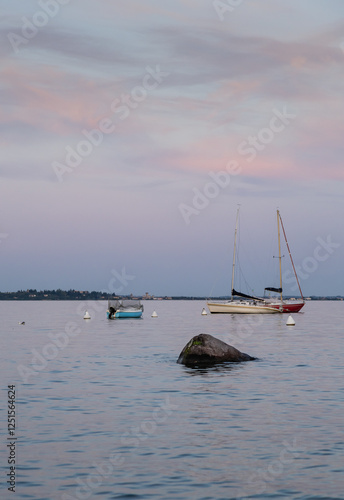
[(124, 308), (290, 321)]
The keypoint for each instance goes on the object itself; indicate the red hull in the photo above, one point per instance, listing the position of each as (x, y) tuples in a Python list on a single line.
[(288, 307)]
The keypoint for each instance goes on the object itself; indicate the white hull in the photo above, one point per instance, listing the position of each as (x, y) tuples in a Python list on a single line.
[(236, 307)]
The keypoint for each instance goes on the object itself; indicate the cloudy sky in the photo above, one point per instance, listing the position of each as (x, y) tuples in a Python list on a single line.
[(131, 130)]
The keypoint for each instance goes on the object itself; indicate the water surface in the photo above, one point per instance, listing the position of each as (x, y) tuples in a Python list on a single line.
[(104, 411)]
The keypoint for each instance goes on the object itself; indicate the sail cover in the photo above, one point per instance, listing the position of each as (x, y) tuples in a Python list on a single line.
[(239, 294), (272, 289), (122, 304)]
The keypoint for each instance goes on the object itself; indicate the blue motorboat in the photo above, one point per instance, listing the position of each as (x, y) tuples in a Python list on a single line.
[(124, 308)]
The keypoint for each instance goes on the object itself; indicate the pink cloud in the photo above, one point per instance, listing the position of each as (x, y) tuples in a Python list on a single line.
[(50, 99)]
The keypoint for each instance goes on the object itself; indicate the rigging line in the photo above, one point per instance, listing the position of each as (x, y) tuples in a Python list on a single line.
[(216, 281), (235, 239), (291, 259), (240, 278)]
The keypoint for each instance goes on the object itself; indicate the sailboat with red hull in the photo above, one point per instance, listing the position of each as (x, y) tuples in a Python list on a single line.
[(257, 305), (285, 306)]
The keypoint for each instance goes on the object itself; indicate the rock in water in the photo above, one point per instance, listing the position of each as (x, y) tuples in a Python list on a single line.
[(206, 350)]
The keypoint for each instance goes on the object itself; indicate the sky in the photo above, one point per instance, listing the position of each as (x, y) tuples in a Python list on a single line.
[(132, 131)]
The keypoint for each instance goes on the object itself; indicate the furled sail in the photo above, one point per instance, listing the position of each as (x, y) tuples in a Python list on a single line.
[(272, 289), (239, 294)]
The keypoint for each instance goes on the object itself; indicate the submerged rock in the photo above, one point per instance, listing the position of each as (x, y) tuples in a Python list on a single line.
[(206, 350)]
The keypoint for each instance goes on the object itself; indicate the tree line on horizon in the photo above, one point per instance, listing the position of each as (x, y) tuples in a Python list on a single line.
[(33, 294)]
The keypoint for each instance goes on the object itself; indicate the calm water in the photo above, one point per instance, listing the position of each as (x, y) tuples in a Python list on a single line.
[(104, 411)]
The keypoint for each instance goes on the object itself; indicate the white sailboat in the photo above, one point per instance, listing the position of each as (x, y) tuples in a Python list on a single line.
[(257, 305)]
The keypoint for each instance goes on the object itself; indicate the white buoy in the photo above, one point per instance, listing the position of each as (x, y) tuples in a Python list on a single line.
[(290, 321), (87, 316), (154, 314), (204, 312)]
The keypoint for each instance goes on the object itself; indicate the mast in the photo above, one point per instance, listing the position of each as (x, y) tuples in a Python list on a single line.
[(279, 252), (291, 259), (235, 237)]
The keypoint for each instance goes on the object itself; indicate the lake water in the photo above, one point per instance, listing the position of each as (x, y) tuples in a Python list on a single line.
[(104, 411)]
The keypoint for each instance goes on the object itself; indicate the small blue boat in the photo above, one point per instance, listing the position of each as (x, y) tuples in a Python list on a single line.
[(124, 308)]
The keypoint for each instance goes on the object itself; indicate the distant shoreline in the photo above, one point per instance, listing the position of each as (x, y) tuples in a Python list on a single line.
[(94, 295)]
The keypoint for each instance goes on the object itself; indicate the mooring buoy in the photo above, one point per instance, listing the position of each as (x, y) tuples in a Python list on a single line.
[(87, 315), (290, 321)]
